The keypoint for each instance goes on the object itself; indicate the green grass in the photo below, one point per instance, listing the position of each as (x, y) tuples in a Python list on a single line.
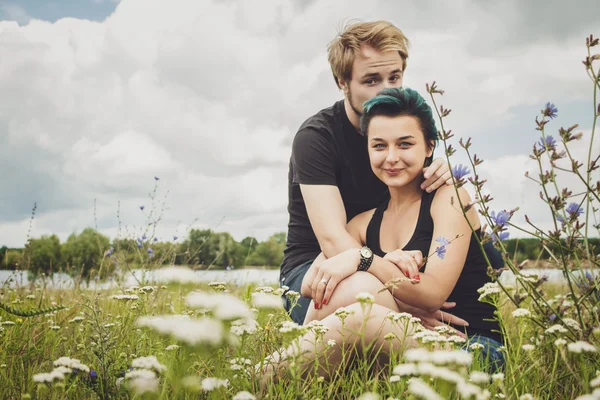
[(107, 340)]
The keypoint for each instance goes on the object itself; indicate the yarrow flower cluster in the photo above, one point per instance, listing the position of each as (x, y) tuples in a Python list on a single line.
[(488, 291), (365, 298)]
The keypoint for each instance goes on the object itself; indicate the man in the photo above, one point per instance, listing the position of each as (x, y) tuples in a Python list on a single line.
[(330, 178)]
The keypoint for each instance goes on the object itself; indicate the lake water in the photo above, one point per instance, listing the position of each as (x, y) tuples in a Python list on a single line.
[(237, 277)]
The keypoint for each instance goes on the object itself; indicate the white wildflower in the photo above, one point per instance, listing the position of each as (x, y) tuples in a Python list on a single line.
[(209, 384), (292, 294), (479, 377), (331, 342), (76, 319), (526, 396), (244, 396), (142, 381), (556, 329), (405, 369), (343, 312), (528, 347), (172, 347), (369, 396), (224, 306), (244, 326), (442, 329), (317, 327), (560, 342), (521, 313), (476, 346), (150, 363), (581, 347), (48, 377), (419, 388), (125, 297), (394, 378), (488, 289), (365, 298), (110, 325), (398, 316), (266, 300), (191, 331), (571, 323), (72, 363), (7, 323), (457, 339), (264, 289), (290, 327), (468, 390), (30, 297), (175, 274), (498, 377)]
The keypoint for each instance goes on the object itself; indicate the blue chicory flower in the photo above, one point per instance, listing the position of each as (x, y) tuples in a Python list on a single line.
[(150, 251), (547, 143), (174, 237), (501, 236), (460, 171), (501, 218), (574, 210), (442, 241), (550, 111), (552, 317), (156, 178), (142, 208), (155, 239), (441, 252)]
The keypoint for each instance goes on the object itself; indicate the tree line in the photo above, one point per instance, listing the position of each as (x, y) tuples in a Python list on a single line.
[(90, 253)]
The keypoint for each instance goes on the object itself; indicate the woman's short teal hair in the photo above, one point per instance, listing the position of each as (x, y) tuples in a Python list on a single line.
[(400, 101)]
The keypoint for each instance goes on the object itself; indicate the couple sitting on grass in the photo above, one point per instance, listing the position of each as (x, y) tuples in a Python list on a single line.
[(369, 206), (438, 257)]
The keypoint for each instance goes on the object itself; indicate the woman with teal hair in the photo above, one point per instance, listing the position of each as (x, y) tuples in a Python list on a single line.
[(401, 137)]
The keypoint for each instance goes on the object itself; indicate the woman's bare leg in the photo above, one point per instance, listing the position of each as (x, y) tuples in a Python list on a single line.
[(364, 329), (345, 294)]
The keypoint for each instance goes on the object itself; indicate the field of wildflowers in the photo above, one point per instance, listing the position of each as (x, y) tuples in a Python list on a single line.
[(179, 339)]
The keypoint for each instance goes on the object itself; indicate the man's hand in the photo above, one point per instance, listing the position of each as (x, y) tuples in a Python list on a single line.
[(436, 175), (408, 261), (322, 278), (441, 318)]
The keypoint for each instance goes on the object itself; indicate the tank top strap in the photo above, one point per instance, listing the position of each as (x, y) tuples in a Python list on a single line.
[(374, 228)]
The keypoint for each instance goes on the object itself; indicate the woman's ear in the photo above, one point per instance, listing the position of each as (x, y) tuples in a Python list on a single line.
[(430, 149)]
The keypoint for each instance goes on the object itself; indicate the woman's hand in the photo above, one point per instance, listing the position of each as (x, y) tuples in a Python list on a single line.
[(436, 175), (323, 277), (408, 261)]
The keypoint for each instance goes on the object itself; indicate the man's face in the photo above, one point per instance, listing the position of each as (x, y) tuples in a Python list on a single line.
[(372, 72)]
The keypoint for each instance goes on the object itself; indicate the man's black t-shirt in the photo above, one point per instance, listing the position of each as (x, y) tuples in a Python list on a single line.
[(327, 150)]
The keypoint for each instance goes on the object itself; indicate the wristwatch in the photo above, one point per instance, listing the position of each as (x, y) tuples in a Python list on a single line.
[(366, 258)]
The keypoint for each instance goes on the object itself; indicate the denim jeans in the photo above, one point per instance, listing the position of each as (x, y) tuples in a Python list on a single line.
[(490, 352), (293, 280)]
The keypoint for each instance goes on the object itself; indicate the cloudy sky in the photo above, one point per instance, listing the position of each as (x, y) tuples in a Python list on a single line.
[(97, 97)]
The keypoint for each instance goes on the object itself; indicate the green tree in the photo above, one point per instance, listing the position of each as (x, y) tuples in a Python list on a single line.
[(208, 248), (270, 252), (85, 252), (12, 259), (3, 251), (43, 255)]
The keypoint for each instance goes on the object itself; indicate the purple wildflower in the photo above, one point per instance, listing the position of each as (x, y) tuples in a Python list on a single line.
[(460, 171), (547, 143), (442, 241), (142, 208), (501, 218), (501, 236), (174, 237), (144, 237), (155, 239), (550, 111), (110, 251), (574, 210), (150, 251), (441, 252), (156, 178), (552, 317)]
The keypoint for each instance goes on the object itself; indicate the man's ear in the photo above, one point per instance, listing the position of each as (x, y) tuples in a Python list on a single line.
[(344, 86)]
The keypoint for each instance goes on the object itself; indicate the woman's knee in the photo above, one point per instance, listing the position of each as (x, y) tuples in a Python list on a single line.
[(346, 291)]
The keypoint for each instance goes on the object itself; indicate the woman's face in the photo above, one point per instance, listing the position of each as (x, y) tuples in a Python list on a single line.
[(397, 149)]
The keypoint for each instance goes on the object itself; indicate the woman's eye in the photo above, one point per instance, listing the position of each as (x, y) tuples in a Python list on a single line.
[(379, 146), (405, 144)]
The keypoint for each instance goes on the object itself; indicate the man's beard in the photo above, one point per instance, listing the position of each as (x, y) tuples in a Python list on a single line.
[(352, 105)]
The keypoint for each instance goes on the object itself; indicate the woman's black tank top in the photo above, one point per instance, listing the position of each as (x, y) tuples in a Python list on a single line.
[(480, 316)]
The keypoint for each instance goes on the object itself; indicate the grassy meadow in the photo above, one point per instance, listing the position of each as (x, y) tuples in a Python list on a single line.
[(187, 340)]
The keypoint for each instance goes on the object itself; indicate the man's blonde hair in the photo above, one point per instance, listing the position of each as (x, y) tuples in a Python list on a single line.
[(380, 35)]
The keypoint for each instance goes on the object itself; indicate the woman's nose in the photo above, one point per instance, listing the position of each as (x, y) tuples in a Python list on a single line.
[(392, 157)]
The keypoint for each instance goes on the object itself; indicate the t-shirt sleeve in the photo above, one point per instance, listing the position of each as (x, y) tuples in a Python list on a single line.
[(313, 158)]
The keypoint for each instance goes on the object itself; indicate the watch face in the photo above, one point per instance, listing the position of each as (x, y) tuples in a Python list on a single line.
[(366, 252)]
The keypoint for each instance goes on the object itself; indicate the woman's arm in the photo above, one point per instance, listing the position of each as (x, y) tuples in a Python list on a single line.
[(441, 276)]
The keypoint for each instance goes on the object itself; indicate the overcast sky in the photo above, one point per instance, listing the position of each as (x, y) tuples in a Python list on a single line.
[(97, 97)]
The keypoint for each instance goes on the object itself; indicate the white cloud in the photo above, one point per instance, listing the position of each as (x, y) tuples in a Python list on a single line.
[(207, 95)]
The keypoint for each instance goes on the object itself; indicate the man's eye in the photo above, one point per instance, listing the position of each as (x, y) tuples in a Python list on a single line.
[(395, 78), (370, 81)]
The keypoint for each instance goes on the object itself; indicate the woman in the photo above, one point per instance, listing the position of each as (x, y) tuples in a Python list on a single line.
[(401, 136)]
